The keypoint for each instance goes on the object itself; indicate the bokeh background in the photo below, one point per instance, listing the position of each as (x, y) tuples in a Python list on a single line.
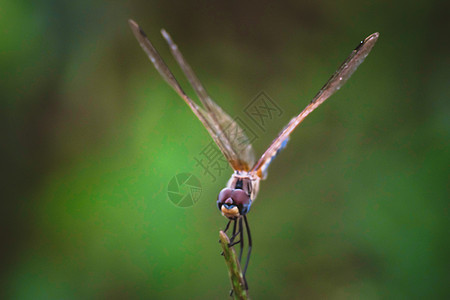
[(356, 207)]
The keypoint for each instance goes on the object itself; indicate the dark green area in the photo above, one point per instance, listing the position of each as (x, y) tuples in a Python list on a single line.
[(355, 207)]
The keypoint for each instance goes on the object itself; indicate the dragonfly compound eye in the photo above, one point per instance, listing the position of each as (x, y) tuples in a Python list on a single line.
[(231, 202), (223, 196), (241, 200)]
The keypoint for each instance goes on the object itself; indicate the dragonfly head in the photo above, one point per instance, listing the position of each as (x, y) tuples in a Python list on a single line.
[(233, 203)]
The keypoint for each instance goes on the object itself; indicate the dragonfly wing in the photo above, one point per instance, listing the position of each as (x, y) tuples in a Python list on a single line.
[(239, 150), (226, 133), (232, 140), (333, 84)]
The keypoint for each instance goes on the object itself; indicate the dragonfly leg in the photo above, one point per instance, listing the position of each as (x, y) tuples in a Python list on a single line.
[(225, 230), (234, 233), (241, 241), (228, 225), (249, 250)]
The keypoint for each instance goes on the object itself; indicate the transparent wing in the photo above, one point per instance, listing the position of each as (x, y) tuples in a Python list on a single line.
[(229, 132), (226, 133), (333, 84)]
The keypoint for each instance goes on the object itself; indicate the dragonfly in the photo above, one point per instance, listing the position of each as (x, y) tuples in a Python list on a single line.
[(235, 199)]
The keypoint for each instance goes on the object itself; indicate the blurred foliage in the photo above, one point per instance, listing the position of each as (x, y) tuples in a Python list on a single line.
[(355, 207)]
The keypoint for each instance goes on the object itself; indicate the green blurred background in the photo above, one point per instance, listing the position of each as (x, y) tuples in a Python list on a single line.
[(356, 207)]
